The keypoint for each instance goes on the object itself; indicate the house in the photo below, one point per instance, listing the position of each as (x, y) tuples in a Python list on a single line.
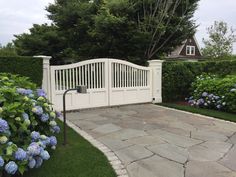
[(189, 50)]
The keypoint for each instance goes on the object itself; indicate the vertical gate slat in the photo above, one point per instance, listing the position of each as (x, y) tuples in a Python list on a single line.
[(59, 87), (112, 75), (114, 71), (70, 78), (73, 77), (76, 77), (101, 75), (117, 74), (63, 79), (129, 80), (126, 75), (103, 67), (94, 75), (79, 76), (55, 78), (87, 76), (123, 78), (97, 85)]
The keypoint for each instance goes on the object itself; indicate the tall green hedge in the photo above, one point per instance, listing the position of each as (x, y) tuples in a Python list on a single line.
[(178, 76), (25, 66)]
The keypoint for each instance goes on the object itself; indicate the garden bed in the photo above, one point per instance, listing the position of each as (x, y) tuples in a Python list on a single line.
[(207, 112), (77, 159)]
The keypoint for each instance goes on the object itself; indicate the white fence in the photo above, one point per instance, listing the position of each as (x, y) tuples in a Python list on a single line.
[(109, 81)]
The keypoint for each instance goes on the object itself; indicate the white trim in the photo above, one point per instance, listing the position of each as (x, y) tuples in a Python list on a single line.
[(182, 47), (190, 47), (74, 65), (198, 46)]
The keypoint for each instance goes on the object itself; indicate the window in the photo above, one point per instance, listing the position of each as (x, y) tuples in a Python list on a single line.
[(190, 50)]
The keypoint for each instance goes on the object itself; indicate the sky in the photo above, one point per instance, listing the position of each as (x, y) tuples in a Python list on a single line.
[(17, 16)]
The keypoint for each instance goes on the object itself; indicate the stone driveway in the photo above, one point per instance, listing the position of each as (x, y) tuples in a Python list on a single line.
[(152, 141)]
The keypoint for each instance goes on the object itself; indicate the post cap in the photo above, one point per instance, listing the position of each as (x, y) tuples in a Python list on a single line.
[(43, 56), (155, 62)]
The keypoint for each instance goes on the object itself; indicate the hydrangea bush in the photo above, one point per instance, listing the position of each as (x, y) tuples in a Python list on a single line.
[(211, 91), (27, 125)]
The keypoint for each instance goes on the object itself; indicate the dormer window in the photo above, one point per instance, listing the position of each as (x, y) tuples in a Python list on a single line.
[(190, 50)]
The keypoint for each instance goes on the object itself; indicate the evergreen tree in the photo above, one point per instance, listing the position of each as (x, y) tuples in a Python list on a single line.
[(137, 30)]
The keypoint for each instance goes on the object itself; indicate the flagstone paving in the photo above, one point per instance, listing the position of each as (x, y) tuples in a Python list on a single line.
[(152, 141)]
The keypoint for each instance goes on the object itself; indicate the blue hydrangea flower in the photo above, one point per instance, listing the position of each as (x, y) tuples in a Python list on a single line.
[(24, 91), (44, 117), (58, 114), (35, 135), (34, 149), (200, 101), (56, 129), (38, 110), (21, 91), (45, 155), (53, 141), (46, 141), (190, 101), (39, 162), (32, 163), (1, 161), (211, 96), (204, 94), (218, 106), (20, 154), (25, 116), (3, 126), (40, 92), (29, 92), (11, 168)]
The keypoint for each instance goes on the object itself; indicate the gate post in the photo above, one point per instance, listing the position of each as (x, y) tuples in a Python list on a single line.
[(46, 83), (156, 82)]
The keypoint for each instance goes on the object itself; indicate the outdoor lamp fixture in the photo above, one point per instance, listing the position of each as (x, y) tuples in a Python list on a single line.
[(79, 89)]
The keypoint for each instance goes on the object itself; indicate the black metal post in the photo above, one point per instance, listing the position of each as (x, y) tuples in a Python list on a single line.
[(64, 113)]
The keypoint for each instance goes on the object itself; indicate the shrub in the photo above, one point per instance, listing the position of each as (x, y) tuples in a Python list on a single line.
[(178, 76), (25, 66), (210, 91), (27, 125)]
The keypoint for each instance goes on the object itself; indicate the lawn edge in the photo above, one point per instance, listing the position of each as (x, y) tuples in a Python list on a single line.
[(112, 158), (195, 114)]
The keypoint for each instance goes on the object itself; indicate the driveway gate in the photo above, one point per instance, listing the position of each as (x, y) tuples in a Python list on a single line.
[(109, 82)]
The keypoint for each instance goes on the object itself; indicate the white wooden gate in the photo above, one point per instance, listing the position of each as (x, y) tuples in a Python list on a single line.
[(109, 81)]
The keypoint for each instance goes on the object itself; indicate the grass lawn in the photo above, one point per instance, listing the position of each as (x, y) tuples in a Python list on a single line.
[(208, 112), (77, 159)]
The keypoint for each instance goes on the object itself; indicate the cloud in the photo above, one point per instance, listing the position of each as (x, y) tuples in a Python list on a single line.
[(18, 16), (214, 10)]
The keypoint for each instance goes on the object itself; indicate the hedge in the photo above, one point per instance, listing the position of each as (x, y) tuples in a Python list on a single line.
[(24, 66), (178, 76)]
